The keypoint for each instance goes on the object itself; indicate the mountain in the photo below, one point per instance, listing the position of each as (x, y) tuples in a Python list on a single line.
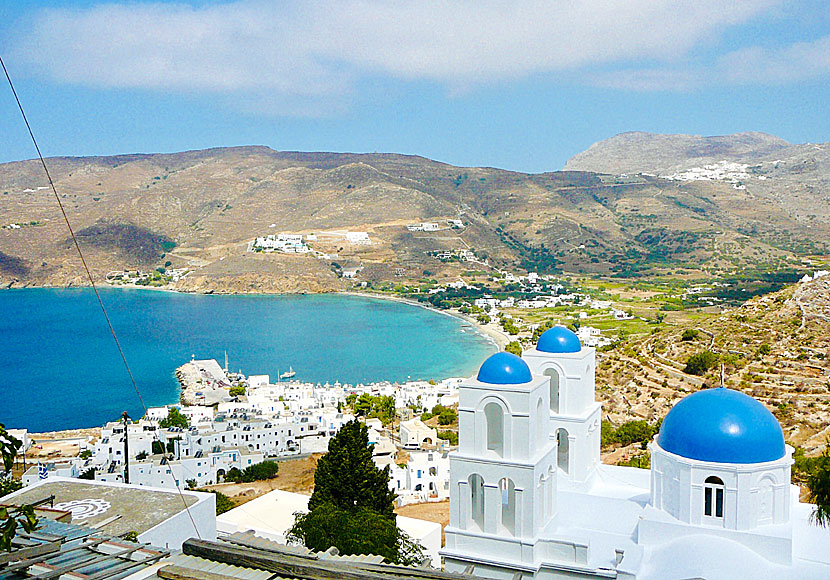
[(199, 209), (638, 152)]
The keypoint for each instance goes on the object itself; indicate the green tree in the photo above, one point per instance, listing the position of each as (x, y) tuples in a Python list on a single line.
[(347, 477), (514, 347), (260, 471), (352, 507), (356, 531), (689, 334), (818, 488), (223, 502), (447, 417), (174, 419), (236, 391), (363, 405), (12, 517), (764, 349), (699, 363)]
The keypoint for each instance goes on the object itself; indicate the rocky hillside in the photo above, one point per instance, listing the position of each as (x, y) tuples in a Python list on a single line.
[(796, 178), (774, 347), (199, 209)]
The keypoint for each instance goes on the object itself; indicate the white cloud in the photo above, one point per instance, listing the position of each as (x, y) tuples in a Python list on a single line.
[(803, 61), (302, 52)]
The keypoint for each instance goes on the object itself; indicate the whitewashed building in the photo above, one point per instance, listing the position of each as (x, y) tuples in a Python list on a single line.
[(530, 497)]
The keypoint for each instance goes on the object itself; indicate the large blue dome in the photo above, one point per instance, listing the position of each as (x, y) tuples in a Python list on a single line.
[(722, 426), (504, 368), (558, 340)]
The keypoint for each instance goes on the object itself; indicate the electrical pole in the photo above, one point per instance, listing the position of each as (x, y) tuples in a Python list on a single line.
[(126, 448)]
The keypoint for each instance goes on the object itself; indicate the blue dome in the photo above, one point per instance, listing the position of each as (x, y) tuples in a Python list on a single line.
[(504, 368), (722, 426), (558, 340)]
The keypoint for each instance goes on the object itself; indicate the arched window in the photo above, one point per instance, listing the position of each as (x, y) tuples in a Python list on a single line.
[(554, 389), (508, 505), (494, 415), (713, 497), (563, 453), (542, 425), (477, 495)]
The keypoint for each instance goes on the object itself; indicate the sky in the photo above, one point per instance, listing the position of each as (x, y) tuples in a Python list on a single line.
[(516, 84)]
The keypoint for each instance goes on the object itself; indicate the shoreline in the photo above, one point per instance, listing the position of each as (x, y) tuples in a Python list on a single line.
[(491, 333)]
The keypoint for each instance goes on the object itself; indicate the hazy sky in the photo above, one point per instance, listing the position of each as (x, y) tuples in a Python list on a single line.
[(517, 84)]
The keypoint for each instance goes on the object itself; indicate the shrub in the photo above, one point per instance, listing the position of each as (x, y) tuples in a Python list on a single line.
[(450, 436), (689, 334), (447, 417), (514, 347), (699, 363), (260, 471), (236, 391)]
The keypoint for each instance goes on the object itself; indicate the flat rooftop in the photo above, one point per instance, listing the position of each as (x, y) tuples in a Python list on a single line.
[(112, 508)]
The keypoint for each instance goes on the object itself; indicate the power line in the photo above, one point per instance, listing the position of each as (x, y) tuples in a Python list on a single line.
[(72, 233), (95, 289)]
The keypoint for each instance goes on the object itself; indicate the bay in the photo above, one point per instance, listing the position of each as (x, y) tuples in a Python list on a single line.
[(60, 369)]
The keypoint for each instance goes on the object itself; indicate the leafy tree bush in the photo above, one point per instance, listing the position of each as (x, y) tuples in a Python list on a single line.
[(764, 349), (88, 474), (260, 471), (236, 391), (157, 447), (141, 456), (382, 407), (9, 485), (355, 531), (12, 517), (191, 483), (85, 454), (514, 347), (450, 436), (447, 417), (352, 506), (223, 502), (689, 334), (630, 432), (818, 488), (699, 363), (234, 475), (483, 318), (174, 419)]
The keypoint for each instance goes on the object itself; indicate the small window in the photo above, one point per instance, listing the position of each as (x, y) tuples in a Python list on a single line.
[(713, 497)]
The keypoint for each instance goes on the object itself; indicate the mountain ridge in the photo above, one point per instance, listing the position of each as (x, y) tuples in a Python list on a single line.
[(210, 203)]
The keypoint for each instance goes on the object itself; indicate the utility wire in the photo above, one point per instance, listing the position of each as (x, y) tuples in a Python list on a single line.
[(72, 233), (91, 281)]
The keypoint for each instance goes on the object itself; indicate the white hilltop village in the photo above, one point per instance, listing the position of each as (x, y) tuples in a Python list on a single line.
[(528, 494)]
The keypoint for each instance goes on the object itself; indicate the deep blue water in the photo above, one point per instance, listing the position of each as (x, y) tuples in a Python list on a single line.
[(59, 367)]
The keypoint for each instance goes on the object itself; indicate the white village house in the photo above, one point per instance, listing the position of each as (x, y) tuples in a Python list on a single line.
[(530, 497)]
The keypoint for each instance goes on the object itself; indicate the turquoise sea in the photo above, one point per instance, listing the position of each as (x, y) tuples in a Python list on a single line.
[(59, 367)]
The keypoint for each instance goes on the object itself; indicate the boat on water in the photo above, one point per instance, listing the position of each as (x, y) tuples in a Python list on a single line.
[(288, 374)]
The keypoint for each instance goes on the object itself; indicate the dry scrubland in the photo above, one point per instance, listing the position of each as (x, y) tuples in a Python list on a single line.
[(774, 347)]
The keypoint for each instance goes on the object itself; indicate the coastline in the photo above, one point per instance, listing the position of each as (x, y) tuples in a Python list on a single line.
[(491, 331), (491, 335)]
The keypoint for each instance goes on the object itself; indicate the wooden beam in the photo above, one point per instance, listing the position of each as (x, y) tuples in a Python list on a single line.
[(29, 552), (284, 565)]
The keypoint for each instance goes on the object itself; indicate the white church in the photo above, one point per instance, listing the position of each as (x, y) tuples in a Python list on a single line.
[(529, 497)]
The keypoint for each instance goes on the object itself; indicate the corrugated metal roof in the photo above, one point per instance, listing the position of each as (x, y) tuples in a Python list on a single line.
[(251, 540), (203, 565), (81, 552)]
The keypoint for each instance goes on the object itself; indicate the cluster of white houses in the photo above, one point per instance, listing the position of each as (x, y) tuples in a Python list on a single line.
[(273, 421)]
